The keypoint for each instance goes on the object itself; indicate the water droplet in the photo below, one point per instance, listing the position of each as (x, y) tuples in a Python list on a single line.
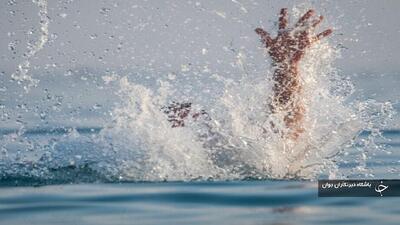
[(171, 76), (63, 15), (43, 115), (93, 36), (104, 10), (185, 68), (12, 2), (68, 73), (97, 106)]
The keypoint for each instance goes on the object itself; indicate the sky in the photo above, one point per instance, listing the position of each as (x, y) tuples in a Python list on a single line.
[(145, 31), (174, 37)]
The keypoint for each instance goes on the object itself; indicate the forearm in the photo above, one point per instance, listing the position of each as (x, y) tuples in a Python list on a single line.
[(286, 85), (287, 90)]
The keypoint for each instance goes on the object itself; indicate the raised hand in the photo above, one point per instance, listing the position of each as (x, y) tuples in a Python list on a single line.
[(286, 50), (290, 44), (178, 113)]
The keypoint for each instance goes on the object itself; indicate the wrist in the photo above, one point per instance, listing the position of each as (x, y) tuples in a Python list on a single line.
[(285, 67)]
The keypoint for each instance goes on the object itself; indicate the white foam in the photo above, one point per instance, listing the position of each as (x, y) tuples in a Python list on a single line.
[(239, 142)]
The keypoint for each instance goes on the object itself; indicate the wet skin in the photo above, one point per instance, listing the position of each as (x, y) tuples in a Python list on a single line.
[(286, 51)]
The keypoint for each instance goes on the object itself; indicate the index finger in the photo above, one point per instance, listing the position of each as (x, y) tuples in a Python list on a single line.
[(283, 19)]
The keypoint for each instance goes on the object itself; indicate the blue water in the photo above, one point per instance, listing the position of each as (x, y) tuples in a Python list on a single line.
[(242, 202), (64, 200)]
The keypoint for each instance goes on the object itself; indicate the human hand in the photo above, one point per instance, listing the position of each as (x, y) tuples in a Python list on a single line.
[(291, 43)]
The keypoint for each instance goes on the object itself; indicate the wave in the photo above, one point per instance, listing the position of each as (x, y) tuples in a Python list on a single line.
[(71, 166)]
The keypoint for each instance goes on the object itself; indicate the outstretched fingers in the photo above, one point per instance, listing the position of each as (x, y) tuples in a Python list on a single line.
[(317, 21), (283, 19), (266, 38), (305, 17), (322, 35)]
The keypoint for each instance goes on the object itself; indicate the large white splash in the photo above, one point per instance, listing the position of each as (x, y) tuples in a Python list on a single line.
[(236, 142), (239, 142)]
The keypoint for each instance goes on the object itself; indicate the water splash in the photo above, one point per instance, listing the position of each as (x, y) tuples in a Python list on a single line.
[(21, 74), (236, 142), (239, 142)]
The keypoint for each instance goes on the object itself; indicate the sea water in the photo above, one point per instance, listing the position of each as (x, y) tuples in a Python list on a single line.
[(231, 168), (29, 200)]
